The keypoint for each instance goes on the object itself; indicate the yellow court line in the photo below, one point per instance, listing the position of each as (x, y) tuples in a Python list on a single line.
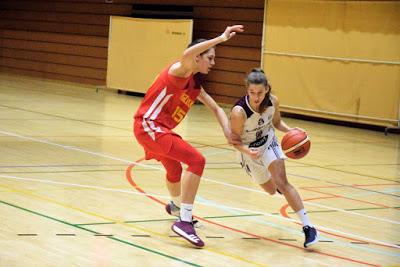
[(29, 193)]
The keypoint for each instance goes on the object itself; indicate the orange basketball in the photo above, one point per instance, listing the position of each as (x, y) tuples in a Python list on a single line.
[(295, 144)]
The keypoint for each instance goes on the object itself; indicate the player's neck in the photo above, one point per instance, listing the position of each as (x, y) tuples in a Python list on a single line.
[(254, 106)]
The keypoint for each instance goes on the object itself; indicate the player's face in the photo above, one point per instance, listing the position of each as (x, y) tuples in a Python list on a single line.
[(206, 61), (257, 93)]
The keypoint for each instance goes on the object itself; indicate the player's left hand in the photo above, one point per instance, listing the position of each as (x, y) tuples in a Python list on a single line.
[(300, 129)]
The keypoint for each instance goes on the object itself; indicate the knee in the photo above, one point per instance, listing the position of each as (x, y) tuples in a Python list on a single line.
[(174, 175), (269, 187), (271, 191), (196, 164), (201, 160)]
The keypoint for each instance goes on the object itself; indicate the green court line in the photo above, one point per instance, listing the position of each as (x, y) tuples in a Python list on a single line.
[(162, 220), (94, 232)]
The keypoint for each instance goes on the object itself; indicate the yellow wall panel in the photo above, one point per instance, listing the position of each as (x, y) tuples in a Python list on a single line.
[(140, 48), (335, 57)]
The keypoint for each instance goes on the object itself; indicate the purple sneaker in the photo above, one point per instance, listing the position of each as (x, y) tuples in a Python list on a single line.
[(186, 230), (172, 209), (311, 234)]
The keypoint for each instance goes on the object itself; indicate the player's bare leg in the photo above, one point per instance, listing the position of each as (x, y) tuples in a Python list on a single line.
[(278, 171)]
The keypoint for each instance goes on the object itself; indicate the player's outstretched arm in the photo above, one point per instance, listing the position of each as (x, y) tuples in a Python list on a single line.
[(187, 60)]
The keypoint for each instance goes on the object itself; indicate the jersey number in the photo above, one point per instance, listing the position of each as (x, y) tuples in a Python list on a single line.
[(178, 114)]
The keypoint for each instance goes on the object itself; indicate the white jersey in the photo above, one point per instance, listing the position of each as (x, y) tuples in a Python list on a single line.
[(259, 133), (258, 128)]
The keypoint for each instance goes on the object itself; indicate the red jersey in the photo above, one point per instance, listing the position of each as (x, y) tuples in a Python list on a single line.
[(166, 103)]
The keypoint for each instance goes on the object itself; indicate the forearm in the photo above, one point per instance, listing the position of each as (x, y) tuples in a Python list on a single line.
[(283, 127), (223, 121), (203, 46), (243, 149)]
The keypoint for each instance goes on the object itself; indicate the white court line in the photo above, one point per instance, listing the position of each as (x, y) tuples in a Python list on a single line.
[(293, 220), (308, 203), (226, 184), (82, 185), (314, 261), (202, 203), (216, 153)]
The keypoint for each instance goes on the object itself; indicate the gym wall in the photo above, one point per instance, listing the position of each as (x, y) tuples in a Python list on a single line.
[(335, 59), (68, 39)]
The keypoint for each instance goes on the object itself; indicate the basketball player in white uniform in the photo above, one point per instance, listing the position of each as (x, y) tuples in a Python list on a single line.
[(254, 118)]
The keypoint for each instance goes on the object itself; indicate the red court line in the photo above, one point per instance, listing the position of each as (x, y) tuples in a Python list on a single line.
[(339, 196), (132, 182)]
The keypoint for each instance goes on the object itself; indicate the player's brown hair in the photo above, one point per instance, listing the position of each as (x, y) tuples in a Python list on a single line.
[(257, 76)]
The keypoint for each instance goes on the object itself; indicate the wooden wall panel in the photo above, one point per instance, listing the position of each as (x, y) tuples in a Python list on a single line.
[(53, 68), (55, 76), (76, 18), (230, 77), (67, 7), (54, 27), (229, 100), (238, 65), (82, 61), (67, 49), (241, 40), (68, 39), (57, 39), (201, 3), (226, 13), (232, 90), (95, 41)]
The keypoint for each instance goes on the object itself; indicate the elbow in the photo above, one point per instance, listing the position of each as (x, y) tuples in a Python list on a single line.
[(187, 53)]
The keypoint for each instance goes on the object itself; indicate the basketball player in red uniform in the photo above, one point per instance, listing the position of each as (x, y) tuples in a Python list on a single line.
[(164, 106), (254, 118)]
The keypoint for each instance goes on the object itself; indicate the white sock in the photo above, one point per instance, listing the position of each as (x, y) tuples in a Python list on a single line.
[(186, 212), (304, 217), (176, 201)]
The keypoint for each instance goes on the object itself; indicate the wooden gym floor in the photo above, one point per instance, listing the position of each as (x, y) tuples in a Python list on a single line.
[(71, 194)]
